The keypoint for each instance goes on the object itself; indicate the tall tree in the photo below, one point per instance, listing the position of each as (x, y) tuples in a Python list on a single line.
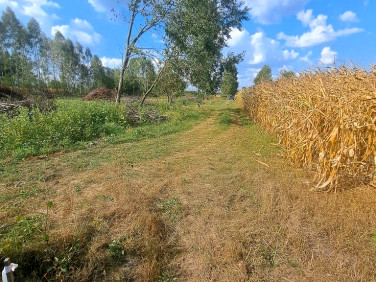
[(35, 41), (286, 74), (97, 71), (199, 30), (15, 41), (229, 84), (171, 82), (265, 74), (139, 76), (144, 15)]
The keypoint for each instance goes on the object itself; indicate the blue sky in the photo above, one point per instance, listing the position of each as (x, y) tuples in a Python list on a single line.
[(285, 34)]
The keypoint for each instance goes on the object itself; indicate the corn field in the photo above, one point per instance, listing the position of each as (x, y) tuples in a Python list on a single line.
[(324, 119)]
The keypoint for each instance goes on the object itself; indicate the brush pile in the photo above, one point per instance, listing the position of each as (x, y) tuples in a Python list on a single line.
[(10, 100), (101, 93), (326, 121), (136, 116)]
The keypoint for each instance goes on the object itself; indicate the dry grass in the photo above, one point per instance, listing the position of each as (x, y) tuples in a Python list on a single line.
[(326, 120), (208, 209)]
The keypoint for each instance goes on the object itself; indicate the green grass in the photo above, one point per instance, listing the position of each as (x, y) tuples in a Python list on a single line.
[(225, 118), (78, 124)]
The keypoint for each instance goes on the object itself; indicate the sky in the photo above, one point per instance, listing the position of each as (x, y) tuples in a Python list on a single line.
[(285, 34)]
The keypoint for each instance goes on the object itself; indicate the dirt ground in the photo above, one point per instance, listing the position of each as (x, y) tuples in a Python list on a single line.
[(214, 203)]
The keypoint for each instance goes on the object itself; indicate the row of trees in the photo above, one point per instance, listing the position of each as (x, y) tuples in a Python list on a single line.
[(194, 34), (265, 74), (31, 60)]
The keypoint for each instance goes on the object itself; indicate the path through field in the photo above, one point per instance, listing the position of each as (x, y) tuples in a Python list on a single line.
[(214, 203)]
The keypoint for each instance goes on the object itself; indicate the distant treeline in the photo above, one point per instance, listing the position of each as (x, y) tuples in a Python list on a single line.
[(31, 60)]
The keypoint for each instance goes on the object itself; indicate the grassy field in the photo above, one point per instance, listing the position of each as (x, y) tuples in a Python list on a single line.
[(205, 196), (76, 124)]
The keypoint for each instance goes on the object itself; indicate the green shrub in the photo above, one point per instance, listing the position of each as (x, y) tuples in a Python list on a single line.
[(74, 121)]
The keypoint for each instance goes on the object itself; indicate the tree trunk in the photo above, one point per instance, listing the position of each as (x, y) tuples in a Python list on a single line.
[(127, 55), (124, 67), (153, 84), (169, 99)]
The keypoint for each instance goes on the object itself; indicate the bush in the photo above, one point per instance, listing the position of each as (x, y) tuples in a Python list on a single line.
[(34, 132)]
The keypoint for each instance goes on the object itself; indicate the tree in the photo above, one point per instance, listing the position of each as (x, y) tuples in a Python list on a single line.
[(148, 14), (229, 84), (35, 40), (171, 82), (230, 77), (265, 74), (15, 42), (286, 74), (198, 29), (97, 71), (139, 76), (29, 59)]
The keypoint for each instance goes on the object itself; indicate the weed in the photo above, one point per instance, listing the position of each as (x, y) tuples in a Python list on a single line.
[(116, 248), (269, 256), (171, 208), (78, 188), (373, 237), (14, 236), (225, 118)]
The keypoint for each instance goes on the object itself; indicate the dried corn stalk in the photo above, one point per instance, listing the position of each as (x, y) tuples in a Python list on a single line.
[(325, 119)]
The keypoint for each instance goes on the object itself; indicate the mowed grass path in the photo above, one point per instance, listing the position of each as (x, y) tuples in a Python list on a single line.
[(216, 202)]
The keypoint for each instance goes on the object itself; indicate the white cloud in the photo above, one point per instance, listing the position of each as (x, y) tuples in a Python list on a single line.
[(79, 30), (246, 77), (272, 11), (8, 3), (111, 62), (327, 56), (101, 6), (263, 49), (260, 49), (320, 31), (34, 8), (290, 55), (306, 57), (64, 29), (237, 36), (348, 16)]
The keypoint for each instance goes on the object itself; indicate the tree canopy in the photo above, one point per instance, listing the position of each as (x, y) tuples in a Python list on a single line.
[(196, 30), (265, 74), (29, 59)]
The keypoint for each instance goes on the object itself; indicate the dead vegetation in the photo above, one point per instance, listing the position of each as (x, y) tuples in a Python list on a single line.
[(11, 100), (101, 93), (136, 115), (326, 121)]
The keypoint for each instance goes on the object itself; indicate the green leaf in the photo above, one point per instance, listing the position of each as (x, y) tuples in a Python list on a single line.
[(46, 237)]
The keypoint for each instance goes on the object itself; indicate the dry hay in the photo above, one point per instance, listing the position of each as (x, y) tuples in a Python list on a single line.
[(326, 121), (239, 100), (101, 93)]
